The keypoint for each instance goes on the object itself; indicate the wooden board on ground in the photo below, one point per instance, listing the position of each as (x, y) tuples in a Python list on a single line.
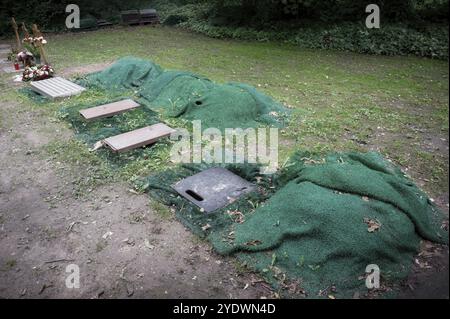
[(56, 87), (108, 110), (137, 138)]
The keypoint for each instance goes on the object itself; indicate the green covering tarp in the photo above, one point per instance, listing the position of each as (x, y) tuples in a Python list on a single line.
[(189, 96), (126, 73), (173, 97), (305, 227), (308, 225)]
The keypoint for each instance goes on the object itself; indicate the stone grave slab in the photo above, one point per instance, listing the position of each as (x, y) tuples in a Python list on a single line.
[(138, 138), (56, 87), (213, 188), (108, 110)]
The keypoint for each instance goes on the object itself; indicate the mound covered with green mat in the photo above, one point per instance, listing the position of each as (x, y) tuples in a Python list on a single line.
[(189, 96), (126, 73), (173, 97), (319, 223)]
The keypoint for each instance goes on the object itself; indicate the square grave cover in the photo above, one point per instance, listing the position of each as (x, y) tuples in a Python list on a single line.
[(213, 188)]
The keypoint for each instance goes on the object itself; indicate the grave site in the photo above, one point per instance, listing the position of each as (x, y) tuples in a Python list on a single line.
[(87, 176)]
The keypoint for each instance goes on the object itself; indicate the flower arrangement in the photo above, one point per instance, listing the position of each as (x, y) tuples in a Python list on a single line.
[(32, 44), (35, 40), (37, 73)]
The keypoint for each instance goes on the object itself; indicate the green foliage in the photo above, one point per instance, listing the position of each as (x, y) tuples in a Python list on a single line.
[(259, 13), (50, 15), (388, 40), (416, 27), (308, 221), (34, 50), (338, 24)]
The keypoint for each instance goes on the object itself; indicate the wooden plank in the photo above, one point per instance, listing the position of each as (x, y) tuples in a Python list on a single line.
[(108, 110), (138, 138), (56, 87), (148, 12)]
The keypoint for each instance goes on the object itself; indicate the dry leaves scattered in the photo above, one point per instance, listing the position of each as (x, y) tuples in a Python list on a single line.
[(237, 216), (373, 225)]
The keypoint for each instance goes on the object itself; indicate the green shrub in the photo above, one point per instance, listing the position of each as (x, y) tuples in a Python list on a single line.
[(388, 40), (222, 19)]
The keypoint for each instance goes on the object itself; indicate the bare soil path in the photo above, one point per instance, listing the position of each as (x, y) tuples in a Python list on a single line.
[(123, 249)]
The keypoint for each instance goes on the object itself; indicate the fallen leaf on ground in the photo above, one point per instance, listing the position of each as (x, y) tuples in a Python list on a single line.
[(148, 245), (237, 216), (107, 234), (206, 227), (96, 146), (374, 225), (253, 243)]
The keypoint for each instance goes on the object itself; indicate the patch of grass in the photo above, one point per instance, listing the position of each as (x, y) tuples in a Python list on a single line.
[(10, 264), (137, 218), (143, 166), (161, 210), (101, 245), (85, 169), (49, 233), (341, 101)]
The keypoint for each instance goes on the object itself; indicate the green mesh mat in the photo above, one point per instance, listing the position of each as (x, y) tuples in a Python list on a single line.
[(91, 132), (172, 97), (307, 226), (126, 73), (188, 96)]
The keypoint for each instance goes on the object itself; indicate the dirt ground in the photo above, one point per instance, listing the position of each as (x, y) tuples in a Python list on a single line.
[(44, 228), (123, 249)]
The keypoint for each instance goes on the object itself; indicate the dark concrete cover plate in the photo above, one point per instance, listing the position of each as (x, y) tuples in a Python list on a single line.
[(213, 188)]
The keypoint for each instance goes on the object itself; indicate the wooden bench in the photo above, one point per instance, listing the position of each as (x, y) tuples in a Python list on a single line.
[(143, 16), (148, 16), (130, 17), (108, 110), (137, 138)]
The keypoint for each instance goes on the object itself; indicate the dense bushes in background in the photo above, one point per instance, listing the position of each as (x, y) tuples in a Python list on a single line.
[(389, 40), (260, 13), (405, 30), (51, 14), (418, 27)]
